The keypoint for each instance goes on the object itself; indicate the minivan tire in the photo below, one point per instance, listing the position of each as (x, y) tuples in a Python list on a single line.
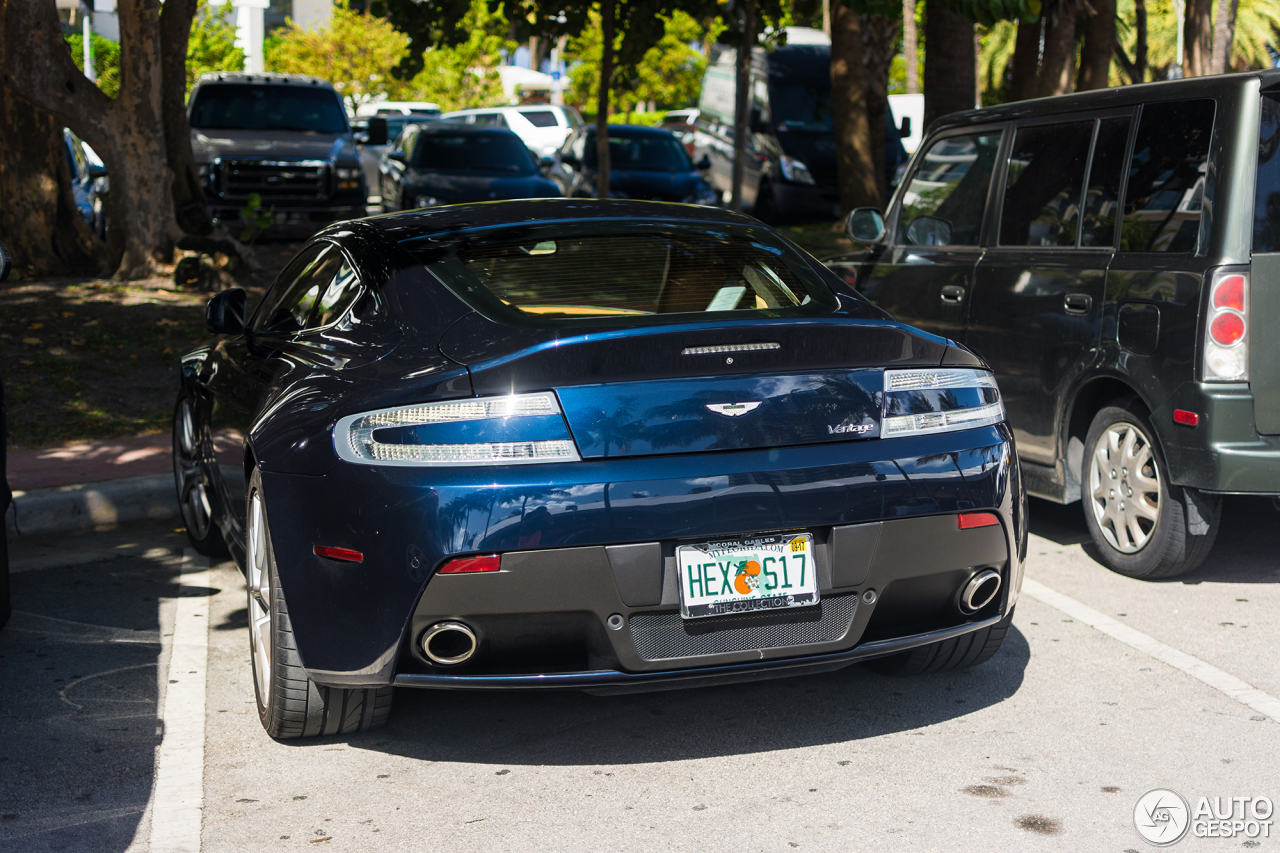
[(961, 652), (290, 704), (1166, 530)]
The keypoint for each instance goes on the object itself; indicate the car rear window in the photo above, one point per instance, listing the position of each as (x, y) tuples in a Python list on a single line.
[(503, 153), (1266, 205), (650, 152), (1165, 192), (540, 118), (548, 277)]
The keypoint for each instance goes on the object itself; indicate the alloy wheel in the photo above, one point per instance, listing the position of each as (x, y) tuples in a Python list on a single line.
[(192, 494), (1124, 487), (258, 579)]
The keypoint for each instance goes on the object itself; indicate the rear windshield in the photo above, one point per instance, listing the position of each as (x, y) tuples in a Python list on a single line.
[(237, 106), (540, 118), (548, 276), (651, 152), (480, 152)]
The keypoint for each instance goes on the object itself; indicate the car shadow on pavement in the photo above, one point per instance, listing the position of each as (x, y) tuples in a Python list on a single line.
[(573, 728), (80, 721)]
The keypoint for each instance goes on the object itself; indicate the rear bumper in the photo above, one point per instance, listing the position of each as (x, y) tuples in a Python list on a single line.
[(584, 541), (1224, 452)]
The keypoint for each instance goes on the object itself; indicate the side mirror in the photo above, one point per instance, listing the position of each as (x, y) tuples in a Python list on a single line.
[(396, 155), (865, 225), (377, 132), (929, 231), (545, 163), (226, 312), (904, 129), (5, 262), (754, 122), (703, 164), (97, 171), (570, 160)]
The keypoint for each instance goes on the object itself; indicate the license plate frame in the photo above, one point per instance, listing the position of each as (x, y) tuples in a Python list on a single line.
[(698, 565)]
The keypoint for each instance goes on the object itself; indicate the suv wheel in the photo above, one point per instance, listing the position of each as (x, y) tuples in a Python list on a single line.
[(1143, 525), (290, 704)]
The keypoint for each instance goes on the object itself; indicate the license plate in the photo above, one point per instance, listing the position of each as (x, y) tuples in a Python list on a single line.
[(748, 575)]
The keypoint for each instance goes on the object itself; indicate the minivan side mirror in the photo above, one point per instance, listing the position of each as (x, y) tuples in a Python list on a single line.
[(377, 131), (865, 225), (396, 155), (904, 129), (226, 312), (929, 231), (5, 262)]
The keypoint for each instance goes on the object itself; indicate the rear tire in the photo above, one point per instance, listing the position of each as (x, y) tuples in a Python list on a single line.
[(967, 650), (1143, 525), (191, 484), (290, 704)]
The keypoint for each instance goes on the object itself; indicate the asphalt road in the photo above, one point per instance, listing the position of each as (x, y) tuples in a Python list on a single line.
[(1046, 747)]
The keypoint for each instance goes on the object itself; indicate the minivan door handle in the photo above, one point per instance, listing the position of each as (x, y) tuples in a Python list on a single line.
[(952, 294), (1077, 303)]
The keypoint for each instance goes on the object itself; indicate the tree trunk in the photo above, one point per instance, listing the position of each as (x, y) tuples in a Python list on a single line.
[(602, 100), (1140, 39), (742, 103), (188, 195), (855, 156), (39, 221), (1026, 62), (910, 50), (128, 133), (949, 80), (1059, 52), (1197, 38), (878, 37), (1099, 42), (1224, 30)]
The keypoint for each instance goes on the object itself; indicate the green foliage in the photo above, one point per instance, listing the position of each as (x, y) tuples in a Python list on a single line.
[(998, 43), (354, 52), (106, 61), (669, 73), (212, 46), (256, 218), (464, 75)]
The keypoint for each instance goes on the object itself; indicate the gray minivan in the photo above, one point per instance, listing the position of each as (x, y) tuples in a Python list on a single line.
[(1114, 256)]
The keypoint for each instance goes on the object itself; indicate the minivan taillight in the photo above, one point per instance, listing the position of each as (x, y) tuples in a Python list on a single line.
[(1226, 336)]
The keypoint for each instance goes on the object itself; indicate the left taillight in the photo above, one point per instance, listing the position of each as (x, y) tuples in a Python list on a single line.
[(1226, 334), (513, 430)]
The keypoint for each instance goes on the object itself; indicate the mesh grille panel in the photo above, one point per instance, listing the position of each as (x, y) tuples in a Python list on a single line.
[(659, 636)]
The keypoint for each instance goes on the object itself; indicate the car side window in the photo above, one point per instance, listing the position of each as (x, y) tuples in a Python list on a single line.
[(1164, 195), (289, 306), (944, 203), (1102, 197), (1043, 184), (1266, 204), (407, 140), (342, 292)]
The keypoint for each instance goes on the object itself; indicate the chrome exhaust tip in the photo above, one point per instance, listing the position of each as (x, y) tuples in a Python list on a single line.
[(448, 643), (978, 591)]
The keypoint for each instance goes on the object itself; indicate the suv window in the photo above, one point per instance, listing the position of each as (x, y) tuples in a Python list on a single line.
[(1266, 204), (540, 118), (256, 106), (1105, 176), (1042, 189), (1165, 191), (289, 305), (944, 203), (490, 119)]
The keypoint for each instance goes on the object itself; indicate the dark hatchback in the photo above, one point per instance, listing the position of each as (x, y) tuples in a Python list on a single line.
[(1114, 256), (451, 163), (644, 163), (607, 445)]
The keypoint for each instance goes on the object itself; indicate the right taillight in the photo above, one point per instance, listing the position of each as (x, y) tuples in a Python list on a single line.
[(1226, 338)]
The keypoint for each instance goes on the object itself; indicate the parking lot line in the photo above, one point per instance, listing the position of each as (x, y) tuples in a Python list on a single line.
[(178, 797), (1243, 692)]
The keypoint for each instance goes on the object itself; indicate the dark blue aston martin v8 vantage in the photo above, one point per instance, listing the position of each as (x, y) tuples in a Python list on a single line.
[(606, 445)]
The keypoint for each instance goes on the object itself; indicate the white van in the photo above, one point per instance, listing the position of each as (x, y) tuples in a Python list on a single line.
[(542, 127), (398, 108)]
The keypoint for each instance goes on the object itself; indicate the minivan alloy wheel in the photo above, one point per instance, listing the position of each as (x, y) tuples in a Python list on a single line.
[(1124, 487)]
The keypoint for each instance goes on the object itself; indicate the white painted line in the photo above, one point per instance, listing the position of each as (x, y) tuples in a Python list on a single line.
[(177, 799), (1241, 691)]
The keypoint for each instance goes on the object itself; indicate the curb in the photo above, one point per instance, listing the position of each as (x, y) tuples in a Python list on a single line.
[(70, 509)]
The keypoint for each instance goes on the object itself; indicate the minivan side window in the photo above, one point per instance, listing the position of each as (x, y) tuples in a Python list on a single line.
[(1266, 204), (1105, 177), (1165, 191), (944, 203), (1042, 190)]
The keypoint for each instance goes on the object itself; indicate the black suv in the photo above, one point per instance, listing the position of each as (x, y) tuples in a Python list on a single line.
[(284, 137), (1115, 257)]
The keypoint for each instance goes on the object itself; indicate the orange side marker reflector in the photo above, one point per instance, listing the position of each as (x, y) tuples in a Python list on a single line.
[(967, 520), (346, 555), (467, 565)]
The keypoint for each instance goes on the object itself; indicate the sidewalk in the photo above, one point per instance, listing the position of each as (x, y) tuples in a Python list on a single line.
[(89, 484)]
